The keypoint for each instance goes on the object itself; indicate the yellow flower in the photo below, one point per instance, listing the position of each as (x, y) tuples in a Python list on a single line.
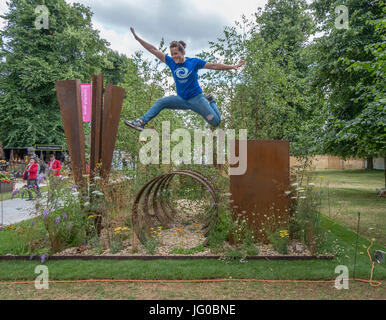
[(196, 231), (175, 233), (180, 230)]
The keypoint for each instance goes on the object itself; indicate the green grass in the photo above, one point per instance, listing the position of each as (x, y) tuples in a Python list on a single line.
[(347, 192), (8, 195)]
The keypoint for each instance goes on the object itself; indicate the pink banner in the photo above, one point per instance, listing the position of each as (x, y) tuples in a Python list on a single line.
[(85, 89)]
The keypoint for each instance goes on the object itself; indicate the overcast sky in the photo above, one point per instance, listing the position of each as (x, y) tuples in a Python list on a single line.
[(194, 21)]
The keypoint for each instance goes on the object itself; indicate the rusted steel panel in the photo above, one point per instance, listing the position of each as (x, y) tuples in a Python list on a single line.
[(258, 194), (96, 123), (69, 97), (110, 121)]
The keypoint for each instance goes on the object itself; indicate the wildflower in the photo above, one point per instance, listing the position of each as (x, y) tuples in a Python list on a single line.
[(31, 256), (284, 234), (235, 207), (311, 184), (45, 213), (15, 192), (74, 187), (97, 178), (294, 184), (301, 191), (302, 197), (1, 228), (97, 193), (43, 257), (32, 223), (64, 216), (91, 216), (180, 230), (293, 197), (75, 194), (57, 219), (287, 192), (175, 233), (86, 204), (69, 227)]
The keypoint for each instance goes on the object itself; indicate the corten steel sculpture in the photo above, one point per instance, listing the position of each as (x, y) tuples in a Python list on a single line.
[(150, 204), (105, 115), (259, 194)]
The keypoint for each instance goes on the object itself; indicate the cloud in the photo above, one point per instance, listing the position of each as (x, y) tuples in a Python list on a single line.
[(154, 19)]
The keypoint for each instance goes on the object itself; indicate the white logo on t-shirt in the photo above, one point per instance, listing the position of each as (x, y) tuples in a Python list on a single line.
[(182, 73)]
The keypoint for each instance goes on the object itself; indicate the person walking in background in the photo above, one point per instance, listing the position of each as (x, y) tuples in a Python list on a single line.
[(54, 166), (30, 174)]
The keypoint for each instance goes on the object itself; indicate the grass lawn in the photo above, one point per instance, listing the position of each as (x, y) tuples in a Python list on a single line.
[(194, 291), (353, 191)]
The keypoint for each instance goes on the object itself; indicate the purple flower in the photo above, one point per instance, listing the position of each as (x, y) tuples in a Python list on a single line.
[(41, 177), (15, 192), (32, 223), (1, 228), (74, 187), (45, 240), (84, 242), (57, 220), (64, 216), (45, 213), (101, 207), (22, 194), (43, 257), (231, 201), (31, 256)]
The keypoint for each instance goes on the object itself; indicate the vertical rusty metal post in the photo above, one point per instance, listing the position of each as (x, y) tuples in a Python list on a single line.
[(110, 121), (259, 194), (96, 123), (69, 97)]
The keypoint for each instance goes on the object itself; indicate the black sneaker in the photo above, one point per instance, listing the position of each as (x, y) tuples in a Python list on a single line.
[(209, 97), (135, 124)]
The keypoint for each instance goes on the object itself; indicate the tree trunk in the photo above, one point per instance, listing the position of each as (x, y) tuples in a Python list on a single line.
[(370, 163)]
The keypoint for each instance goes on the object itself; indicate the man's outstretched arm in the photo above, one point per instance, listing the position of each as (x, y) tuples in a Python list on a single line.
[(149, 47)]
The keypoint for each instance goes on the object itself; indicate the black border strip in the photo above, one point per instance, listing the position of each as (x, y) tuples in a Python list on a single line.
[(179, 257)]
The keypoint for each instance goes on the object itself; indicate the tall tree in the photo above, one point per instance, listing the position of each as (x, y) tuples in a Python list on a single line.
[(33, 58), (343, 84)]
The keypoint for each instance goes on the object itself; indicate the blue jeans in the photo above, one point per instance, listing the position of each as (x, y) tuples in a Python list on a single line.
[(198, 104)]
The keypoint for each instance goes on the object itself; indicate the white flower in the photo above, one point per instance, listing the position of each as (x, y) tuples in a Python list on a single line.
[(293, 197), (311, 184), (75, 194), (287, 192), (98, 193), (294, 184), (300, 191), (302, 197), (97, 178), (86, 204)]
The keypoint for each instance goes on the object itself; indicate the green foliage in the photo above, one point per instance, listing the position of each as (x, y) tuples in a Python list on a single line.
[(194, 250), (279, 240), (31, 60), (350, 79)]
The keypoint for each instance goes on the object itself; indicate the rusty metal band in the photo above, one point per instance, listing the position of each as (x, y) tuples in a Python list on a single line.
[(70, 103), (150, 200)]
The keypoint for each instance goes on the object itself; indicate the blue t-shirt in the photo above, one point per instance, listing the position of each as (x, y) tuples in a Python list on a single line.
[(185, 76)]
